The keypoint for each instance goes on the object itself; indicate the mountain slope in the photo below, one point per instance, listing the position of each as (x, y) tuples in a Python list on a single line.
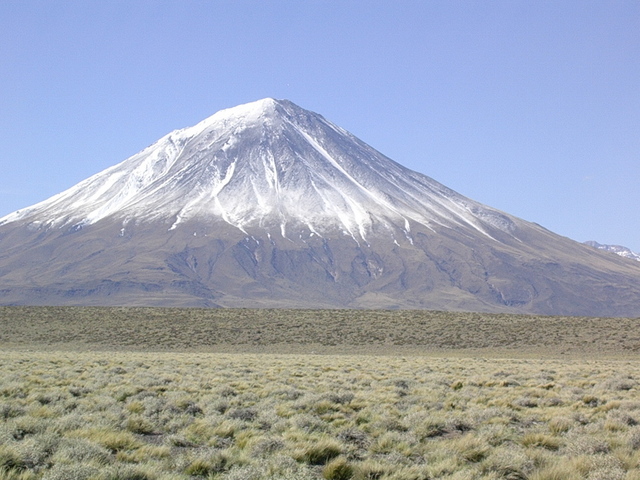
[(268, 204)]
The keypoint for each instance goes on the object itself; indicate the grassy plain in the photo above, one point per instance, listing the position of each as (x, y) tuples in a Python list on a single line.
[(92, 393)]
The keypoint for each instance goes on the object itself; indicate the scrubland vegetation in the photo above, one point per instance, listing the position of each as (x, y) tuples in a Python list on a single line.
[(320, 331), (73, 413)]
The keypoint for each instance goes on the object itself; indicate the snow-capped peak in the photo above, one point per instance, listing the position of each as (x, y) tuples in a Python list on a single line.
[(617, 249), (270, 164), (242, 114)]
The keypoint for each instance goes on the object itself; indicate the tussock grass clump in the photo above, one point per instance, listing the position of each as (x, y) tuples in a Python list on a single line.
[(541, 440), (557, 472), (509, 462), (81, 450), (338, 469), (75, 471), (112, 440), (560, 425), (471, 448), (11, 459), (318, 452), (139, 424), (371, 470)]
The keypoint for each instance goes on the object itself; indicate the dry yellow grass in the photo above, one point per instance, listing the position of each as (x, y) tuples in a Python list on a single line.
[(262, 416), (105, 405)]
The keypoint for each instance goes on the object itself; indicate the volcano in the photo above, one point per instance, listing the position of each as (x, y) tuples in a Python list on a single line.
[(270, 205)]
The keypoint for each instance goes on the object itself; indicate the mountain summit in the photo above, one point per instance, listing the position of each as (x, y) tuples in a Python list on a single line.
[(267, 164), (270, 205)]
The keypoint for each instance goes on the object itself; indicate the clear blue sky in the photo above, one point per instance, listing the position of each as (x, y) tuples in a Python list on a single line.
[(532, 107)]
